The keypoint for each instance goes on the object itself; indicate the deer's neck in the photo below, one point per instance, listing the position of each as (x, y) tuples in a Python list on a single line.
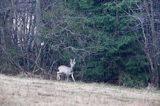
[(71, 67)]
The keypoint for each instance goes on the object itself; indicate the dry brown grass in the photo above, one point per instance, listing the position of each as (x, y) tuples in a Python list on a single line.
[(36, 92)]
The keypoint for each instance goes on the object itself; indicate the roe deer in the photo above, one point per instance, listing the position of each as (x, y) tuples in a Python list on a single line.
[(66, 70)]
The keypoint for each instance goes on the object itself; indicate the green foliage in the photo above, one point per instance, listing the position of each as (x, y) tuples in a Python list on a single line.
[(85, 4), (100, 34), (94, 72), (115, 55)]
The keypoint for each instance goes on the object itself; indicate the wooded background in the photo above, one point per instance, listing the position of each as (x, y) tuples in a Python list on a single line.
[(113, 41)]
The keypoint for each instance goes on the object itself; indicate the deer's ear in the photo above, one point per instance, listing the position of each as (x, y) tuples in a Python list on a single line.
[(71, 60), (74, 60)]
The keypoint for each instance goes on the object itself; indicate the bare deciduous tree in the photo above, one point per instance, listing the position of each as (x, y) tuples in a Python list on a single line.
[(147, 16)]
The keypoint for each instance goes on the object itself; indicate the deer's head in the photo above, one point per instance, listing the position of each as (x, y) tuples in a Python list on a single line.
[(72, 62)]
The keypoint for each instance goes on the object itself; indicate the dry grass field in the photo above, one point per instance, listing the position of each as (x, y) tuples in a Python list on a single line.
[(35, 92)]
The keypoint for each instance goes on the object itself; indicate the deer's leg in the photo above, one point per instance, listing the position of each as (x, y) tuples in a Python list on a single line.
[(67, 78), (58, 76), (72, 77)]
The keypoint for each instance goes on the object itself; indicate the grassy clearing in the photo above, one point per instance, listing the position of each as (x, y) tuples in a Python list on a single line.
[(36, 92)]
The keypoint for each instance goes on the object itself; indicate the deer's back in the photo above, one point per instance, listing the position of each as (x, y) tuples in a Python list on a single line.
[(64, 69)]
